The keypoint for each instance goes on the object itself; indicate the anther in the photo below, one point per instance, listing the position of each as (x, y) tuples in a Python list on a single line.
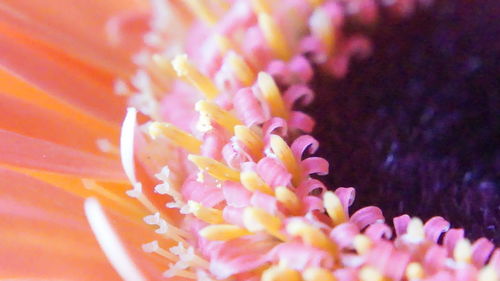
[(272, 95), (215, 168), (185, 69)]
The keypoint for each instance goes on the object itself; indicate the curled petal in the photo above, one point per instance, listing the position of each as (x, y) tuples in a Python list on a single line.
[(315, 165), (301, 68), (401, 224), (300, 256), (435, 258), (366, 216), (346, 196), (298, 93), (309, 185), (236, 195), (213, 143), (451, 238), (481, 250), (265, 202), (204, 193), (313, 203), (344, 234), (434, 227), (300, 120), (378, 231), (248, 107), (275, 125), (273, 172), (302, 144), (233, 215)]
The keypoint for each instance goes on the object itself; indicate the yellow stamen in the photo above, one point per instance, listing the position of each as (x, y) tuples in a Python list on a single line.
[(223, 232), (251, 140), (203, 83), (369, 273), (415, 230), (280, 273), (362, 244), (218, 115), (164, 64), (241, 69), (414, 271), (272, 95), (214, 168), (334, 208), (274, 37), (252, 182), (317, 274), (202, 11), (206, 214), (488, 273), (176, 135), (316, 3), (311, 236), (285, 155), (288, 198), (225, 45), (463, 251), (322, 28), (256, 219), (261, 6)]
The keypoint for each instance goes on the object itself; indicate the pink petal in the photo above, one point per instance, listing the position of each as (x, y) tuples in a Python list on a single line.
[(309, 185), (315, 165), (300, 120), (236, 195), (434, 227), (299, 256), (206, 194), (367, 216), (343, 234), (240, 255), (401, 224), (301, 67), (265, 202), (276, 126), (346, 196), (302, 144), (273, 172), (234, 215), (451, 238), (248, 107), (481, 250), (435, 258), (298, 93), (378, 231)]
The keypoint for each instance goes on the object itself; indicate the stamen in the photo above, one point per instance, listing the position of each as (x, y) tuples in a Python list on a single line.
[(167, 230), (311, 236), (488, 273), (280, 273), (225, 45), (334, 208), (285, 155), (251, 140), (154, 247), (206, 214), (256, 220), (414, 271), (261, 6), (163, 64), (272, 95), (317, 273), (369, 273), (176, 135), (252, 182), (362, 244), (322, 28), (214, 168), (110, 243), (94, 186), (223, 232), (415, 231), (127, 144), (202, 11), (185, 69), (288, 198), (241, 69), (274, 37), (463, 251), (218, 115)]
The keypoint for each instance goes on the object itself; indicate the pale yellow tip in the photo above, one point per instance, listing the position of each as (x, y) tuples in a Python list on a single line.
[(368, 273), (256, 219), (185, 69), (272, 95), (414, 271), (285, 155), (252, 181), (318, 274), (362, 244), (288, 198), (241, 69), (175, 135), (334, 208), (206, 214), (311, 236), (214, 168), (463, 251), (251, 140), (280, 273), (218, 115), (274, 37), (488, 273), (223, 232)]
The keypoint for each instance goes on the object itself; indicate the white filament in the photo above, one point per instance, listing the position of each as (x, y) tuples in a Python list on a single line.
[(127, 150), (110, 242)]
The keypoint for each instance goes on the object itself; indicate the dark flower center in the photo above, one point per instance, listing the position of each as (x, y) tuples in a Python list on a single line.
[(415, 128)]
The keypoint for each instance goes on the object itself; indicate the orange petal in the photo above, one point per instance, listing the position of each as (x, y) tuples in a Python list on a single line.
[(19, 150), (45, 234), (77, 26), (68, 80), (24, 118)]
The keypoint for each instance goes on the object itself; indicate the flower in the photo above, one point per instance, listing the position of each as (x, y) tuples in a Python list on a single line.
[(227, 183)]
